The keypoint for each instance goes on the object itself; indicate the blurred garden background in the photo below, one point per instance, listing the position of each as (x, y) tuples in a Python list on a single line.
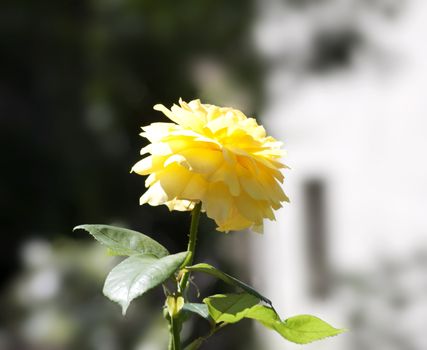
[(341, 82)]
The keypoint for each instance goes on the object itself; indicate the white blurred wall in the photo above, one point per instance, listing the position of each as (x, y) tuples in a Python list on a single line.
[(361, 131)]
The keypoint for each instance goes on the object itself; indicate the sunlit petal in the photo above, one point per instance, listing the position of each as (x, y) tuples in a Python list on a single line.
[(215, 155)]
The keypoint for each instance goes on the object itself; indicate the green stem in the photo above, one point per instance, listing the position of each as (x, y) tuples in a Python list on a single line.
[(176, 340), (175, 322), (171, 337), (201, 340), (195, 216)]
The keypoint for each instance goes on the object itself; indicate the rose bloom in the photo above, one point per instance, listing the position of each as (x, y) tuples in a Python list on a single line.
[(215, 155)]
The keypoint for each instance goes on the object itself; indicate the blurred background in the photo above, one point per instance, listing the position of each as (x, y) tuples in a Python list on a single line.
[(341, 82)]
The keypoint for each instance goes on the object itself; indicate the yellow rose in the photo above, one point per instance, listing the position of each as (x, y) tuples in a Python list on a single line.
[(215, 155)]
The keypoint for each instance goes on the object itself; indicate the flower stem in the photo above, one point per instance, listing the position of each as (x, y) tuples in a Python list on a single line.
[(171, 336), (195, 215), (175, 339), (175, 321)]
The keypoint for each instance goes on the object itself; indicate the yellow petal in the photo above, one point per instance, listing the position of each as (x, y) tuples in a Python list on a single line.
[(217, 202), (180, 183), (180, 205), (195, 188), (235, 222), (202, 161), (148, 165), (155, 195), (228, 176), (249, 208), (215, 155)]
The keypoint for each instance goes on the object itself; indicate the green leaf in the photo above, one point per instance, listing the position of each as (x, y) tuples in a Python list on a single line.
[(197, 308), (265, 315), (209, 269), (305, 329), (302, 329), (230, 308), (138, 274), (122, 241)]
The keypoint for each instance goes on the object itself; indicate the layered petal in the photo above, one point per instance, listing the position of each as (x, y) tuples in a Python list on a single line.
[(217, 156)]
